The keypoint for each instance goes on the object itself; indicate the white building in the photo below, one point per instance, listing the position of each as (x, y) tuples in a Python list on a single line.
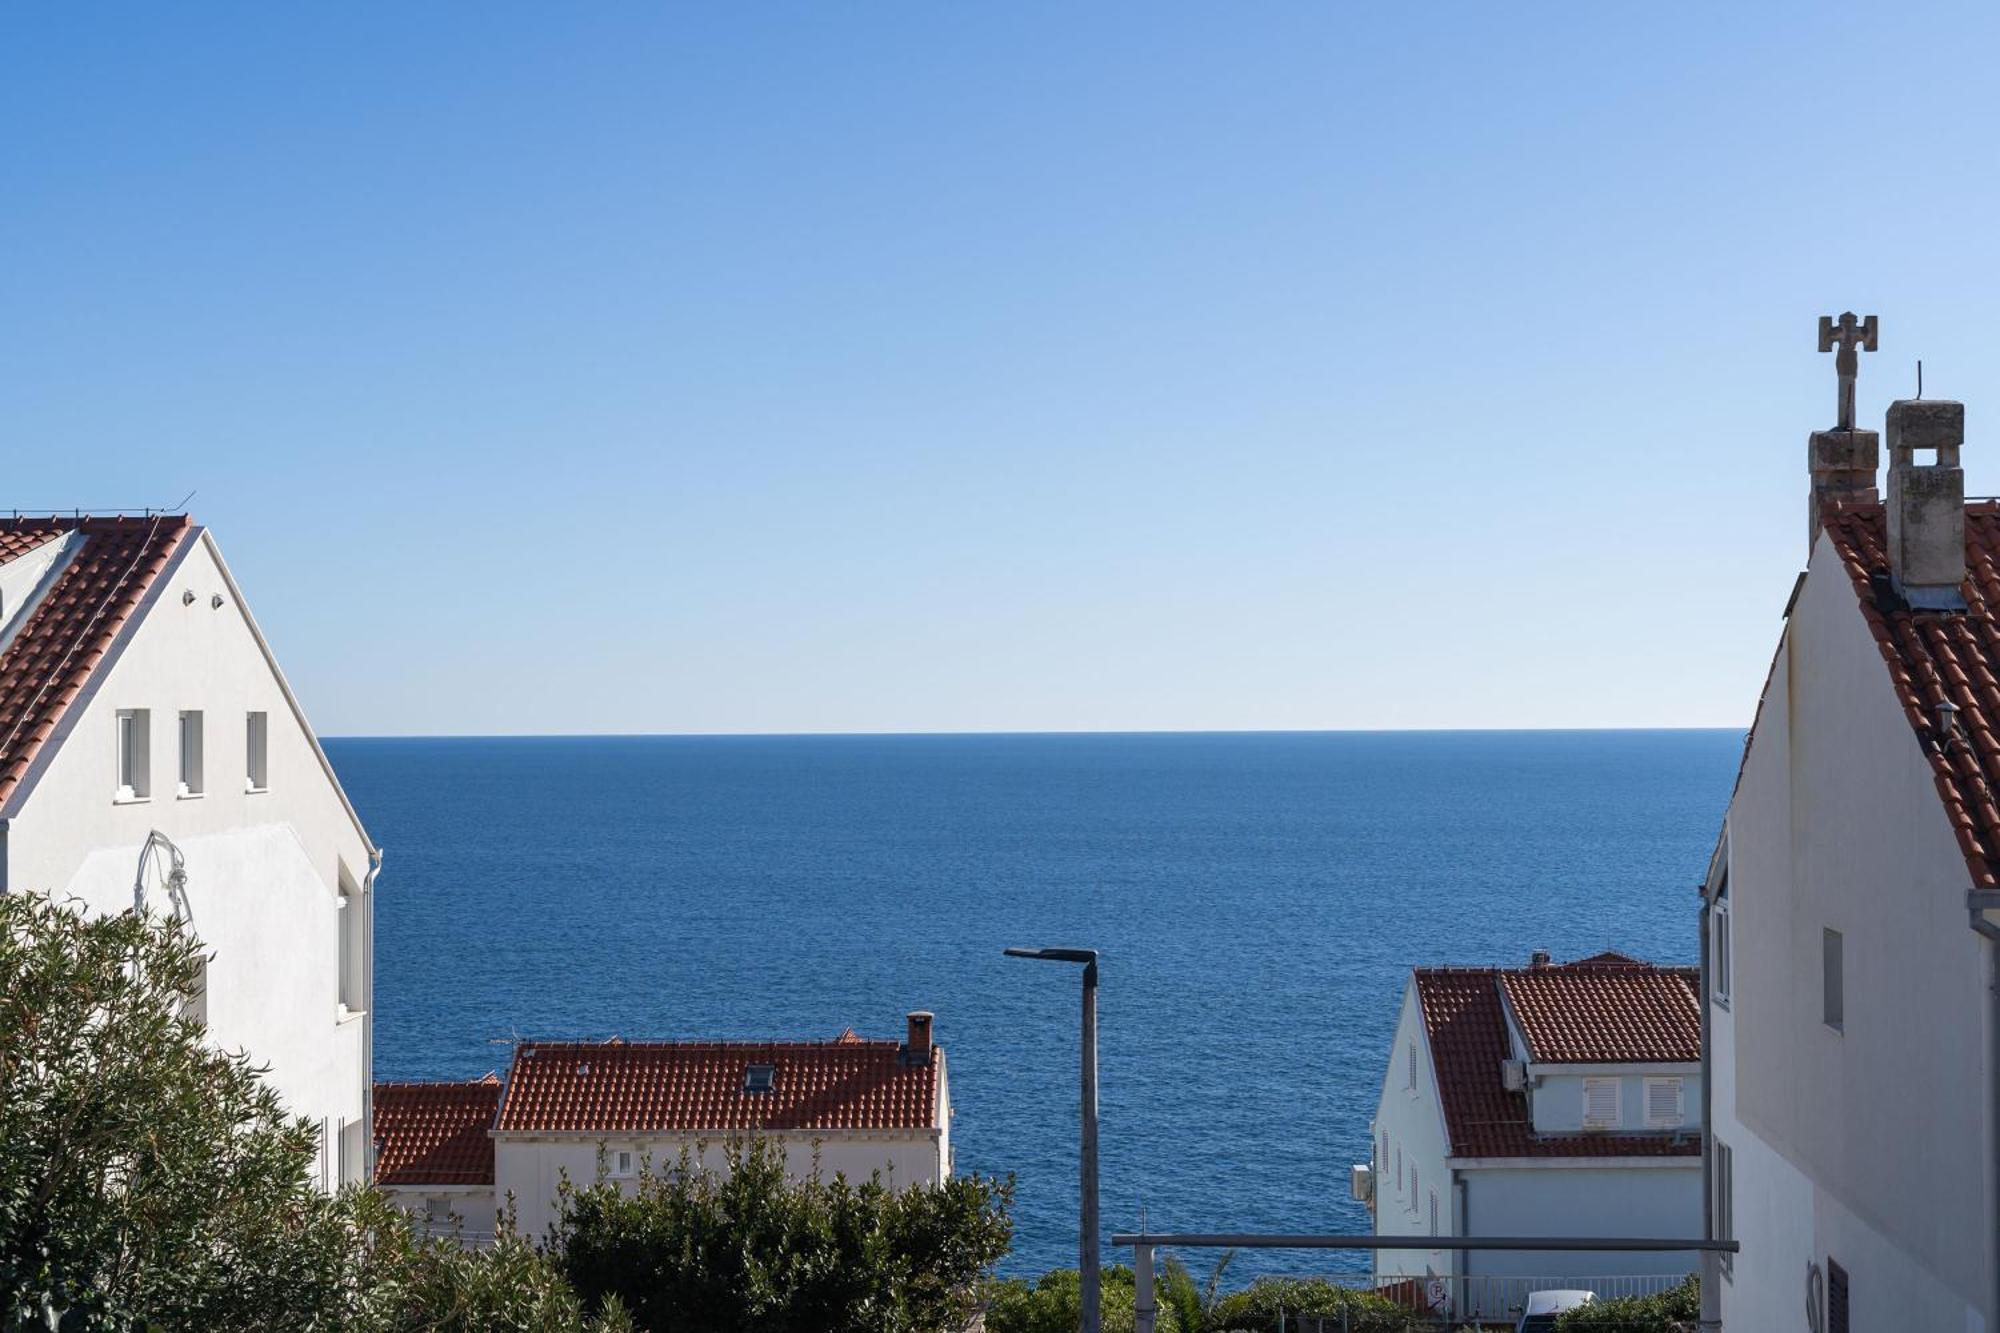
[(1852, 959), (1551, 1100), (583, 1111), (152, 754)]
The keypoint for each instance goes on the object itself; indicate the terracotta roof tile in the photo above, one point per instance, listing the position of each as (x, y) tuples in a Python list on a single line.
[(1934, 656), (1467, 1026), (435, 1133), (1597, 1014), (592, 1087), (68, 633)]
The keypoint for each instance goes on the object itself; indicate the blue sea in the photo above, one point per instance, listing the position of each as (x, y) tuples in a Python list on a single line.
[(1258, 900)]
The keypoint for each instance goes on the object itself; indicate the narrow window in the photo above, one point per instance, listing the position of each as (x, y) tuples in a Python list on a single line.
[(1600, 1103), (1414, 1187), (1434, 1212), (1836, 1297), (257, 774), (1718, 963), (135, 769), (191, 754), (1833, 981), (1666, 1106), (1399, 1168), (351, 924), (1724, 1198), (1411, 1073)]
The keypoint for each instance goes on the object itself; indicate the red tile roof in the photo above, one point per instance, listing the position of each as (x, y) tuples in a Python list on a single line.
[(435, 1133), (591, 1087), (1933, 656), (1594, 1013), (1467, 1027), (69, 632)]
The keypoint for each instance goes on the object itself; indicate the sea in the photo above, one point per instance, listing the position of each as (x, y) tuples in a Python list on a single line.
[(1258, 900)]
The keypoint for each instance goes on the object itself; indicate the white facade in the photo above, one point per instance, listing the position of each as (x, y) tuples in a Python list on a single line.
[(278, 880), (530, 1168), (1868, 1144), (1423, 1185)]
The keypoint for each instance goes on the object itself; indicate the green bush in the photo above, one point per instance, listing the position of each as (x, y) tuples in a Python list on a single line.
[(1054, 1304), (1256, 1308), (748, 1250), (1668, 1311)]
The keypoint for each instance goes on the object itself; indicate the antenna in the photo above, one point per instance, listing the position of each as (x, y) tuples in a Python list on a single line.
[(1920, 377)]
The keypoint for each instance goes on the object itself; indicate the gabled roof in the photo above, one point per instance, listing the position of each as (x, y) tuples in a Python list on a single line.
[(691, 1087), (435, 1133), (1465, 1021), (1934, 656), (1591, 1012), (76, 622)]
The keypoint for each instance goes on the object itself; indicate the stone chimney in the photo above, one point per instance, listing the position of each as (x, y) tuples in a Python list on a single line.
[(917, 1046), (1843, 463), (1927, 502), (1539, 959)]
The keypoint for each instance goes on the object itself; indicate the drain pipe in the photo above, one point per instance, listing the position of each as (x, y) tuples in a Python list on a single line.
[(368, 1033), (1977, 903), (1711, 1262)]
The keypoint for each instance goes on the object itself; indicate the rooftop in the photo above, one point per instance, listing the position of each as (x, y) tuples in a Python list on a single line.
[(435, 1133)]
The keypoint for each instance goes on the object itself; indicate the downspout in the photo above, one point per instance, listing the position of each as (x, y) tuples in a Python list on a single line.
[(1461, 1261), (368, 1021), (1977, 901)]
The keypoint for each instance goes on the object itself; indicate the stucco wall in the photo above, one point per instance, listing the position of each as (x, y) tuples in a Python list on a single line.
[(530, 1169), (1557, 1103), (263, 869), (1414, 1121), (1855, 1143)]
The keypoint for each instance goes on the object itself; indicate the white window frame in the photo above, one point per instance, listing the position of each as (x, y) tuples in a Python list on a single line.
[(622, 1163), (191, 783), (1678, 1118), (1723, 1200), (256, 751), (1617, 1117), (1719, 957), (135, 755)]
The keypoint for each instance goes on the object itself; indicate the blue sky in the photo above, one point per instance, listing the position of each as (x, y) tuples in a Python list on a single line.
[(814, 367)]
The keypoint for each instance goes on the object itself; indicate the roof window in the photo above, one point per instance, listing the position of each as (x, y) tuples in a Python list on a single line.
[(757, 1078)]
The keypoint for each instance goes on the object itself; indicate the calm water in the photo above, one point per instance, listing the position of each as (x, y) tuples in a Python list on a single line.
[(1258, 900)]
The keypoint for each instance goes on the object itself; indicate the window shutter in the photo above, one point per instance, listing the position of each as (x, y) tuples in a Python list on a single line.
[(1665, 1105), (1600, 1103), (1836, 1297)]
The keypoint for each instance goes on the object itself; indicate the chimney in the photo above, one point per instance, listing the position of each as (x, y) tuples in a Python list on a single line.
[(1927, 503), (1843, 463), (1539, 958), (917, 1048)]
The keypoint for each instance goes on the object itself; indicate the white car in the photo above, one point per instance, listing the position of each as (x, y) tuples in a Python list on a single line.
[(1544, 1307)]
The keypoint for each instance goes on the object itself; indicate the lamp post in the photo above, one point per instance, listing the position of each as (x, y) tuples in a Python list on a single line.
[(1086, 1241)]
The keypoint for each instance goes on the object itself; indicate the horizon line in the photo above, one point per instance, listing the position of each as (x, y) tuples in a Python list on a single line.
[(919, 735)]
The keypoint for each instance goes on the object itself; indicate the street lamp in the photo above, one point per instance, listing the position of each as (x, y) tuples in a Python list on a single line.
[(1086, 1241)]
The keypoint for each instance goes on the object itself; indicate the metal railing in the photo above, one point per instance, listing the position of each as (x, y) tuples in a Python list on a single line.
[(1449, 1298), (1143, 1245)]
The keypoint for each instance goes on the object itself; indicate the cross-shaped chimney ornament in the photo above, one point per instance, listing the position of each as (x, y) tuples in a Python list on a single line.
[(1846, 333)]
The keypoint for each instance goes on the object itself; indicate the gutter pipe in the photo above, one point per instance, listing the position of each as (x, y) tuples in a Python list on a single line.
[(368, 1035)]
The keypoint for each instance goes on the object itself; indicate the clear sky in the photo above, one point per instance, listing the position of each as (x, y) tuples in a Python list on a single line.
[(836, 367)]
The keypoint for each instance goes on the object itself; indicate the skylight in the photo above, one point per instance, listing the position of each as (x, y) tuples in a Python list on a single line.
[(757, 1078)]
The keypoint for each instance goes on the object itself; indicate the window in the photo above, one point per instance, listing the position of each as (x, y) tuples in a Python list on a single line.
[(624, 1164), (351, 923), (1410, 1075), (1414, 1189), (190, 754), (1399, 1168), (1723, 1201), (1833, 981), (1836, 1297), (1600, 1103), (1718, 961), (1434, 1212), (135, 760), (757, 1078), (1666, 1105), (256, 772)]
